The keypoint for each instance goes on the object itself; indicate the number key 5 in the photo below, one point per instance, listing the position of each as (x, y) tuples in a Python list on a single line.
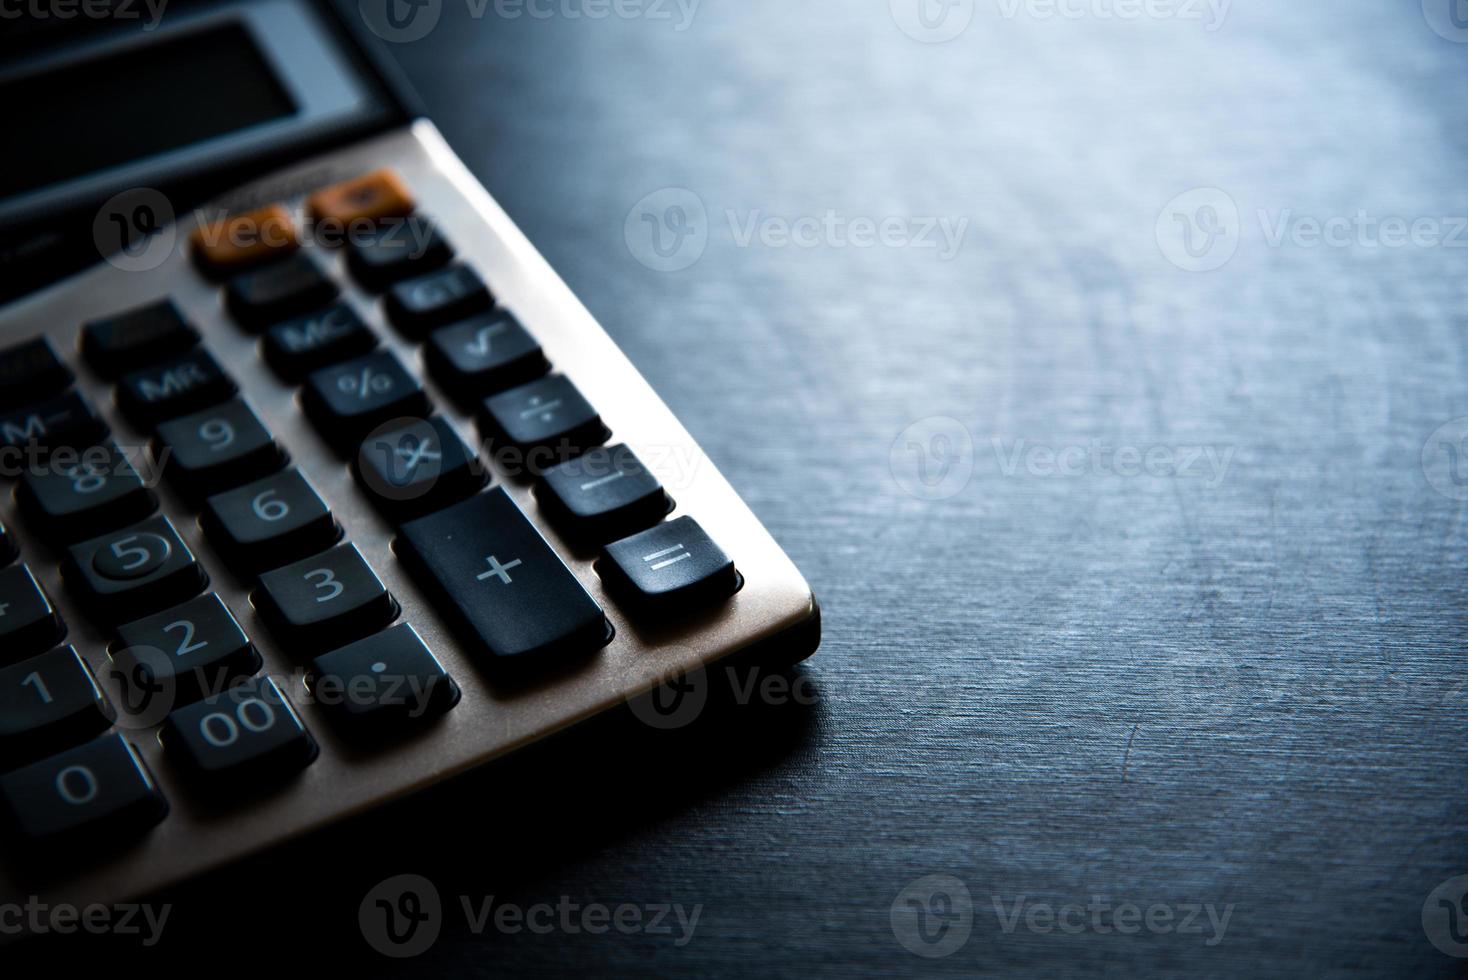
[(137, 571)]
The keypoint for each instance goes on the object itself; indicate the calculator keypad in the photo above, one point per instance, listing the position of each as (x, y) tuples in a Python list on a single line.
[(31, 370), (604, 494), (396, 251), (547, 420), (414, 467), (383, 682), (415, 306), (483, 355), (512, 599), (506, 589), (282, 289), (672, 566), (324, 601), (61, 420), (319, 339)]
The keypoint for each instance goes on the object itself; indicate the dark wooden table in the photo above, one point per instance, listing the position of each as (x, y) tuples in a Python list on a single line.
[(1143, 585)]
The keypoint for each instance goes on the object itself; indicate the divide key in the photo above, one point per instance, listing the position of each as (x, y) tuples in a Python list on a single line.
[(501, 583)]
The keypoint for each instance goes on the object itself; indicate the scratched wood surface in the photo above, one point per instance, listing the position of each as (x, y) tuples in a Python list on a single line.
[(1169, 613)]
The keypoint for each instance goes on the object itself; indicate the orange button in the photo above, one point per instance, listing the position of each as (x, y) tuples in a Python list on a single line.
[(369, 197), (243, 240)]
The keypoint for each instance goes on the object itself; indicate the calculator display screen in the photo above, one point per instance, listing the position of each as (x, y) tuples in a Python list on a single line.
[(135, 103)]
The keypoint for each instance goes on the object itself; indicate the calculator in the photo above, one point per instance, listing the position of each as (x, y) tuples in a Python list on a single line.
[(322, 486)]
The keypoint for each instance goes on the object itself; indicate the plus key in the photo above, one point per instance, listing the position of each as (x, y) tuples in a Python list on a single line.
[(503, 586)]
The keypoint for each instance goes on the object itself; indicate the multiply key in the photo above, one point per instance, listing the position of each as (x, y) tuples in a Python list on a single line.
[(501, 583)]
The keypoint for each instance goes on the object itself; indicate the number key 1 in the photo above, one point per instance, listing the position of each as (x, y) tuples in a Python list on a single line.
[(46, 704), (216, 449)]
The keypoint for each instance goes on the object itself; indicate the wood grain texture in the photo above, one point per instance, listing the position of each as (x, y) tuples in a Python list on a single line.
[(1245, 691)]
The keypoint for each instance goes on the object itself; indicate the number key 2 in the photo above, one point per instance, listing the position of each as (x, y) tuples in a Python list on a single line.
[(324, 601), (183, 652), (48, 703), (216, 449), (270, 522), (102, 785)]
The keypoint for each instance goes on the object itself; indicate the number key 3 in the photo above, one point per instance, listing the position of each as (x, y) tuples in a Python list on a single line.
[(324, 601)]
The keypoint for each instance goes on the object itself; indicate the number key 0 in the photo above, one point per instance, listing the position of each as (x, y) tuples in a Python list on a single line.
[(100, 785)]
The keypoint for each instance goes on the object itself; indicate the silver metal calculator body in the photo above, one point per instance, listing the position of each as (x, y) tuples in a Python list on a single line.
[(493, 714)]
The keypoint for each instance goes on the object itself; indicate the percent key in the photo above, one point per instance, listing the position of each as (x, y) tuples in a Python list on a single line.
[(347, 401)]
